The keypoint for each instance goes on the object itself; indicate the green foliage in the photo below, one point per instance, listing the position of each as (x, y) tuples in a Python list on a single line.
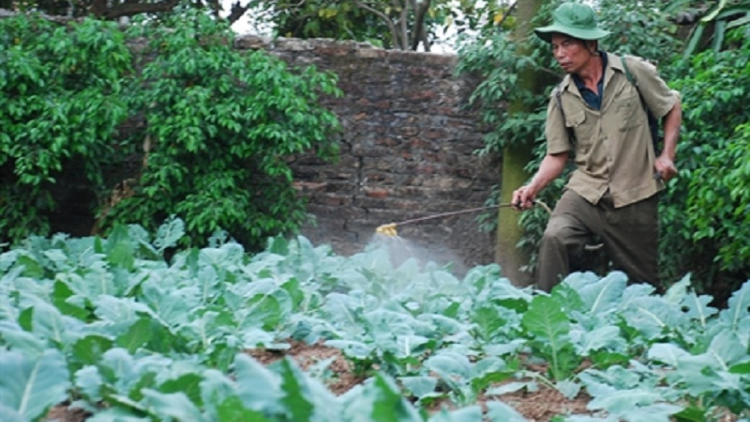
[(34, 383), (639, 28), (219, 128), (114, 9), (707, 211), (216, 127), (549, 324), (398, 24), (61, 99), (325, 19), (158, 339), (714, 26), (499, 85)]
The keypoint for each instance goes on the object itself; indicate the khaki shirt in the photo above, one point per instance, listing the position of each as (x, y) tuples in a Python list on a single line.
[(613, 147)]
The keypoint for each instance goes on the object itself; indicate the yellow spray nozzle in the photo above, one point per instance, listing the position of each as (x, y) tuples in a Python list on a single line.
[(387, 230)]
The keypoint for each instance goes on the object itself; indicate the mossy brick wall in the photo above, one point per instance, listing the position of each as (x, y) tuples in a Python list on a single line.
[(407, 151)]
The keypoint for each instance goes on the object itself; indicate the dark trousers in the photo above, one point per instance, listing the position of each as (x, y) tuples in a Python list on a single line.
[(630, 235)]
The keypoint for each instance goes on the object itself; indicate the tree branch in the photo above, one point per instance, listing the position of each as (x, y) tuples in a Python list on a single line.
[(381, 15), (237, 11), (510, 9), (420, 33), (403, 16)]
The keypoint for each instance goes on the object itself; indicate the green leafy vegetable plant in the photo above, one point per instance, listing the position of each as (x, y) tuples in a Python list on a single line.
[(112, 326)]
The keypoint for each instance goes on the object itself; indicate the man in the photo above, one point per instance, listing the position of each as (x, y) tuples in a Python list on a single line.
[(600, 118)]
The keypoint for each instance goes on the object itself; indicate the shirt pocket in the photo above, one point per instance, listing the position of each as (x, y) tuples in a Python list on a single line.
[(629, 112), (583, 129)]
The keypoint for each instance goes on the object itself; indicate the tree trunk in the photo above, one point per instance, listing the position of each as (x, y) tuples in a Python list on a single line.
[(515, 158)]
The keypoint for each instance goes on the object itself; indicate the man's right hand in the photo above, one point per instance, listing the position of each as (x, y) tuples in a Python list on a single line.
[(552, 166), (523, 198)]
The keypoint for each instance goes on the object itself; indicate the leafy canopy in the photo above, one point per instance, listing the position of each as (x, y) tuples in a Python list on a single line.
[(715, 152), (396, 24), (218, 128), (61, 98), (209, 132)]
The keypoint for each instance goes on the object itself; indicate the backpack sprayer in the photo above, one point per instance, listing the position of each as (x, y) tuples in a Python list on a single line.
[(390, 229)]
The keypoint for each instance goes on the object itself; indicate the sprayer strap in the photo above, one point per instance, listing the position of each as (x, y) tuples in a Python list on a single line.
[(558, 100)]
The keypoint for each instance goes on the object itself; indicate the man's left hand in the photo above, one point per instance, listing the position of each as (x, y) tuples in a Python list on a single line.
[(665, 168)]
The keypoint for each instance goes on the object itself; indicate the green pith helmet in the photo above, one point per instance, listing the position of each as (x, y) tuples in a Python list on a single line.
[(575, 20)]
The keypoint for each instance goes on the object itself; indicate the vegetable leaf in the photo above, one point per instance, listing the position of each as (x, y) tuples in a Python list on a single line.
[(31, 386)]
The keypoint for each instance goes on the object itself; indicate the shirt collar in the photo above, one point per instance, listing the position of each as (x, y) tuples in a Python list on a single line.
[(581, 85), (607, 64)]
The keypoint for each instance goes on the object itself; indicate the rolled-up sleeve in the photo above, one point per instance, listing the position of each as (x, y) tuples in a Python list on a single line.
[(657, 95)]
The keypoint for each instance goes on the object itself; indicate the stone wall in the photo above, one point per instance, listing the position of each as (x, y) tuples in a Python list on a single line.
[(407, 151)]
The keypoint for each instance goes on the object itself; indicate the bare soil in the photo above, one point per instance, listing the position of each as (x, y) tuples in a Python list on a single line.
[(341, 378), (537, 406)]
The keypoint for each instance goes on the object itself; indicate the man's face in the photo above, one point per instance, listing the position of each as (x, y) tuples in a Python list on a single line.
[(571, 53)]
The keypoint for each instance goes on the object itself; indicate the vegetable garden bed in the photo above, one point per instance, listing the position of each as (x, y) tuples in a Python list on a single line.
[(113, 332)]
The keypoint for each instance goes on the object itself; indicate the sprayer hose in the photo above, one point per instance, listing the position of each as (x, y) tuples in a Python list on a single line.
[(390, 229), (467, 211)]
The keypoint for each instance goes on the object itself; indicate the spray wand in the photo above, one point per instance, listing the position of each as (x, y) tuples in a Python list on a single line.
[(390, 229)]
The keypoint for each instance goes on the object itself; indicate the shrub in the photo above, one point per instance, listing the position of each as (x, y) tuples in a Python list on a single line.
[(218, 128), (707, 218), (214, 127), (61, 100)]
